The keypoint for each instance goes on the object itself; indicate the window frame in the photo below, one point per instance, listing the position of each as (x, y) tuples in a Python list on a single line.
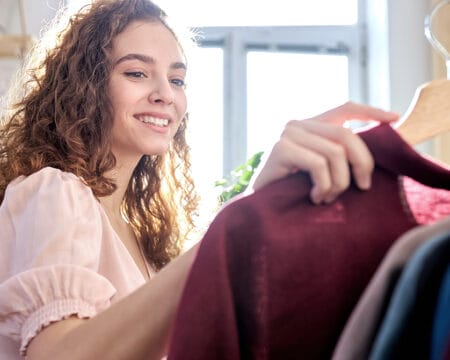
[(235, 41)]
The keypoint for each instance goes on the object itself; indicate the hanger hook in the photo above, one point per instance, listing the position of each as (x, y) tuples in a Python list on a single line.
[(432, 38)]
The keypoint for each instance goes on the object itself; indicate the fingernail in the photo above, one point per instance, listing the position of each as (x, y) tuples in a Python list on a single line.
[(314, 196), (393, 114), (315, 201), (365, 183)]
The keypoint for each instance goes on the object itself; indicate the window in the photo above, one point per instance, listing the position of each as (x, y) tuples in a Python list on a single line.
[(272, 74), (260, 64), (292, 60), (205, 109), (205, 13), (285, 85)]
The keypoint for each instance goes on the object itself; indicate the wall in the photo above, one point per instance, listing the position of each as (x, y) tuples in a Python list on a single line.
[(37, 13), (442, 32), (399, 56), (400, 59)]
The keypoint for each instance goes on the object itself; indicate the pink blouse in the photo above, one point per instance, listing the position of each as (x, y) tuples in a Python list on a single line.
[(59, 256)]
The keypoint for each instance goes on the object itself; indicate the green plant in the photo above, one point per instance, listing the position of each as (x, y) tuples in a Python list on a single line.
[(238, 179)]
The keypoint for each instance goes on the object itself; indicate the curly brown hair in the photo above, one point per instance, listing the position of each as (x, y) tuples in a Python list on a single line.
[(64, 119)]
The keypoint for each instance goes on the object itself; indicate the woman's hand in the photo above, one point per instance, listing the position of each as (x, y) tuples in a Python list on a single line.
[(324, 148)]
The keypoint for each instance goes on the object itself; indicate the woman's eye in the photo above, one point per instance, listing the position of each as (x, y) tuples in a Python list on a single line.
[(135, 74), (178, 82)]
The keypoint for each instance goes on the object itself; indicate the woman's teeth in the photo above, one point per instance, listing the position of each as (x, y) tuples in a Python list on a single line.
[(154, 120)]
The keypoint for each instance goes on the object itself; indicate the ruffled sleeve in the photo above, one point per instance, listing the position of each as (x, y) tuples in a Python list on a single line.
[(50, 254)]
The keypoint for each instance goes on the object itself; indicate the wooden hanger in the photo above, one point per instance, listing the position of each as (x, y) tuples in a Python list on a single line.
[(428, 114), (13, 46)]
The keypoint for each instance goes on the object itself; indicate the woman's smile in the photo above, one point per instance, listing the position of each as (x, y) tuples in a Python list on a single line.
[(147, 85)]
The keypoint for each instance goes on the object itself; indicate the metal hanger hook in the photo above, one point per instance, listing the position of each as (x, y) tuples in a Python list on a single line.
[(431, 36)]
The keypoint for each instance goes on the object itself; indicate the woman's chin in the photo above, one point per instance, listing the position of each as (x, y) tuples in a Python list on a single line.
[(157, 150)]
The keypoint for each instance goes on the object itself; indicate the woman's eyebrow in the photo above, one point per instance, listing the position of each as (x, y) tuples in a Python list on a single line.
[(148, 60)]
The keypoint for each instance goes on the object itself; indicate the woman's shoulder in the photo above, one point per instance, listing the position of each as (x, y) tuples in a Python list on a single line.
[(47, 215), (46, 182), (55, 188), (47, 176)]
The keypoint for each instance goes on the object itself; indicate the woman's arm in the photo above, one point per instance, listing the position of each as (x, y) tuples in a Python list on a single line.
[(137, 327)]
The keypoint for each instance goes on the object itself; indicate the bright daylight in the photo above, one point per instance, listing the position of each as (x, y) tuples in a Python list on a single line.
[(279, 84), (225, 179)]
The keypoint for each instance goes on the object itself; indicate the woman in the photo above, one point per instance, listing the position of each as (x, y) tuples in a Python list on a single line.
[(97, 194)]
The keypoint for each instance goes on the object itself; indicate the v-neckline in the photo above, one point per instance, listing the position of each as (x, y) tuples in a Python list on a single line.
[(148, 275)]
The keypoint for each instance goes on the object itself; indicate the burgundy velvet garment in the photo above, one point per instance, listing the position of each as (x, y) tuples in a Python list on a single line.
[(276, 277)]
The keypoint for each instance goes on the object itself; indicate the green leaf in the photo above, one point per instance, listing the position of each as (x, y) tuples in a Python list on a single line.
[(238, 179)]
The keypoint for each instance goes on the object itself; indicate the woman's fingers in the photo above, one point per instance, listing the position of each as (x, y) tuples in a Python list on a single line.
[(355, 111), (331, 158), (356, 153), (284, 160), (330, 153), (300, 149)]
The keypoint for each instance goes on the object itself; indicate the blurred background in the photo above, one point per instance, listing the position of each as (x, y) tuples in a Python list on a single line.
[(261, 63)]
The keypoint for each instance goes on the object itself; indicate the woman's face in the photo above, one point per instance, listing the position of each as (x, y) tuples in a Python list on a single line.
[(146, 89)]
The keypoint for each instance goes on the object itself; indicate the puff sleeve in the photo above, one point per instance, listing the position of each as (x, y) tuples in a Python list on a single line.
[(49, 254)]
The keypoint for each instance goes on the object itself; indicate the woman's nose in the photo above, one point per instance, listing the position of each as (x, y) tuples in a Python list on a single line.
[(161, 92)]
